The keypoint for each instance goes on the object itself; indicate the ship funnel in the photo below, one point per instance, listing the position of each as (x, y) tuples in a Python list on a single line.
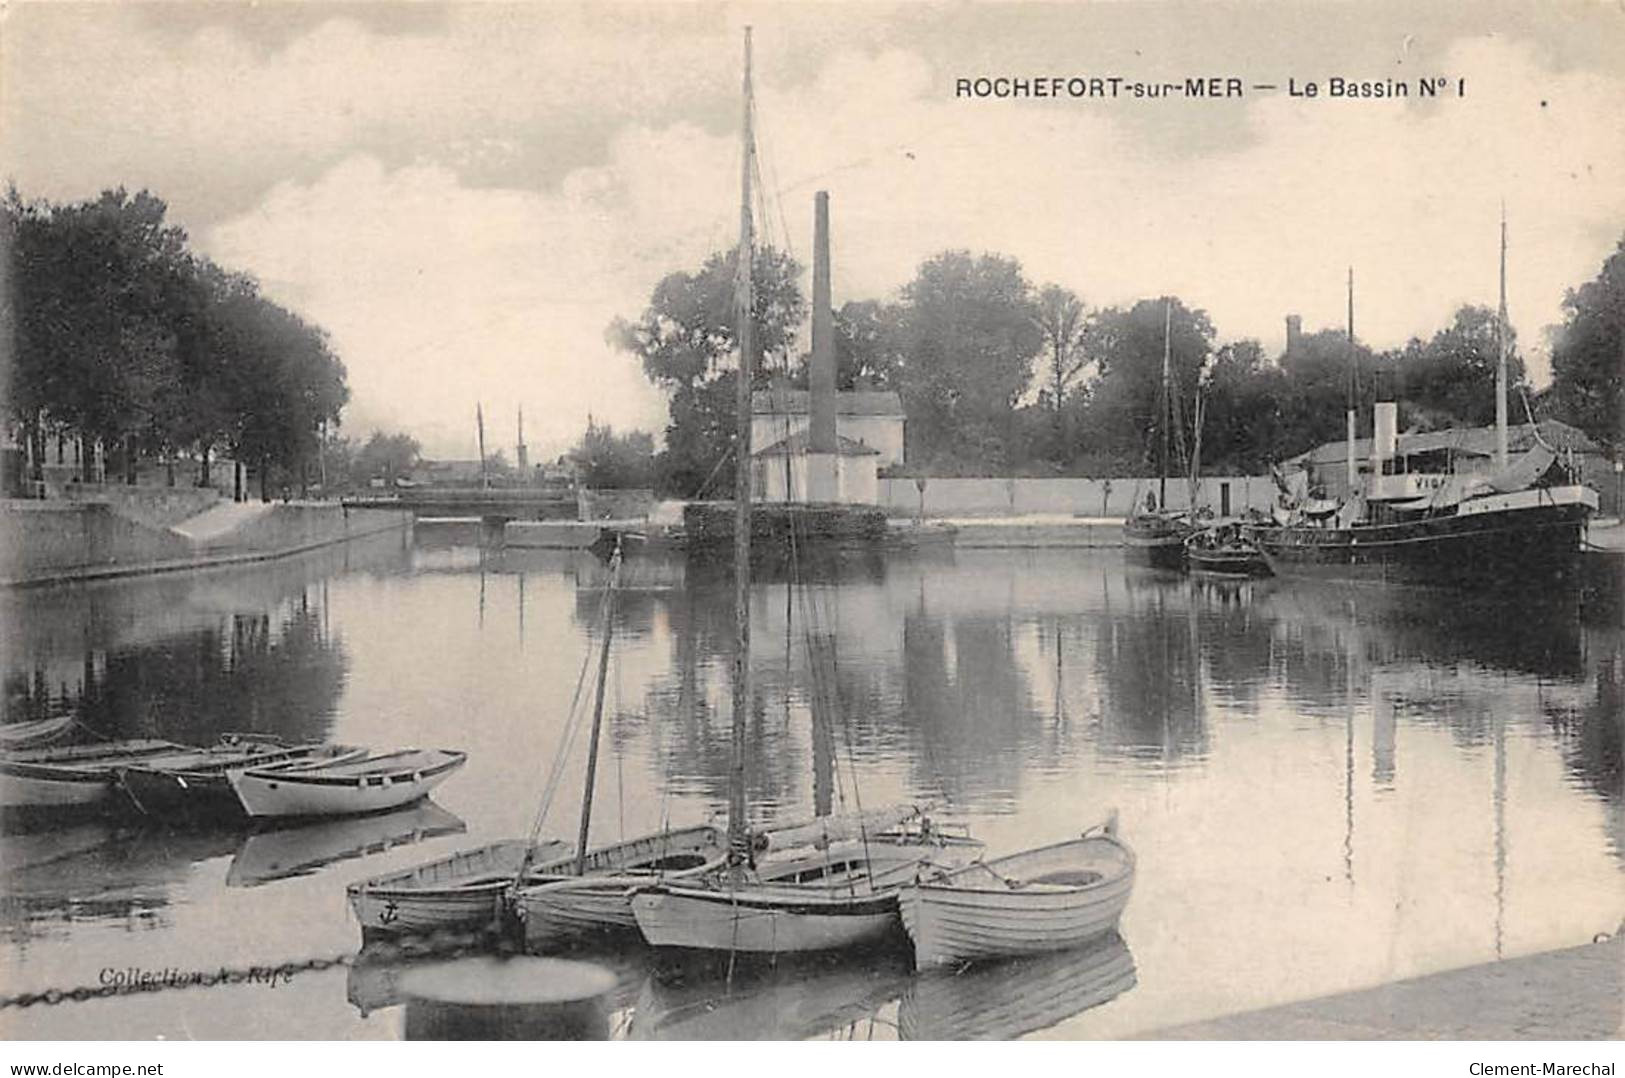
[(1384, 433)]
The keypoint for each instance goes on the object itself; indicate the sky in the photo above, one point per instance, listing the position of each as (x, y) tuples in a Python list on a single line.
[(465, 195)]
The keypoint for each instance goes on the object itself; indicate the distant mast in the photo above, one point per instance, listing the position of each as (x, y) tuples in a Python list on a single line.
[(738, 839), (1501, 353), (1165, 420), (479, 422), (1353, 469)]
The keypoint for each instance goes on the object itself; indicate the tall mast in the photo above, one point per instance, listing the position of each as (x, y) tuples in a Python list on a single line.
[(1353, 469), (597, 710), (1501, 353), (738, 840), (1166, 419)]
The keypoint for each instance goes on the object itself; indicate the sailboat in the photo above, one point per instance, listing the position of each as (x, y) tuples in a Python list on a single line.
[(1152, 535), (1431, 511), (841, 889)]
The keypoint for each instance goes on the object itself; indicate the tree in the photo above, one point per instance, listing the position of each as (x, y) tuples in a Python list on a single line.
[(867, 345), (684, 338), (967, 335), (1126, 416), (1450, 380), (1588, 357), (1063, 322), (605, 460), (1242, 427), (386, 456), (124, 338), (94, 349)]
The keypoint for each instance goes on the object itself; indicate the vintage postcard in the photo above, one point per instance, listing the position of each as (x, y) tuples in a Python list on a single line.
[(708, 521)]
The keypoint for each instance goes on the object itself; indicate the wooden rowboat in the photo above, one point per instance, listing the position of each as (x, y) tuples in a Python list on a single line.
[(461, 892), (565, 897), (201, 786), (80, 775), (371, 783), (1046, 899)]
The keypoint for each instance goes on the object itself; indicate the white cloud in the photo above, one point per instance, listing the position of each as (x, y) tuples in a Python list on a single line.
[(438, 296), (366, 159)]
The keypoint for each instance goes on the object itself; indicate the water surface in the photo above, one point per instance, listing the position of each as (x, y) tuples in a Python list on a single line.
[(1328, 787)]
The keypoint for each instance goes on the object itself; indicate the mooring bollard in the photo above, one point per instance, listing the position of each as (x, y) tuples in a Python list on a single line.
[(521, 998)]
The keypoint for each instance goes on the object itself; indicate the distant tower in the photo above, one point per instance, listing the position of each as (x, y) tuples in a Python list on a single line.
[(1294, 333), (521, 452)]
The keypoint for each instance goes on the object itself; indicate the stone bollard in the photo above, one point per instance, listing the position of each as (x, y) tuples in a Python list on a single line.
[(522, 998)]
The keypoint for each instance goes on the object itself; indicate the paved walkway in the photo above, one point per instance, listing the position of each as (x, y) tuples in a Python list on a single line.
[(1574, 994)]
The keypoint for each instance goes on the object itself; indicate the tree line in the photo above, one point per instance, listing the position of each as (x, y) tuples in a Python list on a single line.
[(130, 344), (999, 376)]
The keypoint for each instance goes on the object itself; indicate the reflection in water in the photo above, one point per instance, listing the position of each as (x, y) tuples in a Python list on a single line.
[(790, 1000), (1408, 780), (1005, 1000), (278, 853)]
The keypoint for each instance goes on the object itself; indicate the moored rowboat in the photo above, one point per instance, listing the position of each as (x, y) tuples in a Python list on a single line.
[(202, 785), (557, 901), (77, 776), (462, 891), (371, 783), (1046, 899)]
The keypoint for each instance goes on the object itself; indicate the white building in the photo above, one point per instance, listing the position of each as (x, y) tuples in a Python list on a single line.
[(868, 417), (785, 472)]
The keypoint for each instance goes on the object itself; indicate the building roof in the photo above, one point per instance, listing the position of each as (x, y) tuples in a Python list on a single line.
[(1476, 441), (797, 443), (849, 402)]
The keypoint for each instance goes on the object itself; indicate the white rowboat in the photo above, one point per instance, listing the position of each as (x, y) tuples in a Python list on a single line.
[(372, 783), (462, 891), (1047, 899)]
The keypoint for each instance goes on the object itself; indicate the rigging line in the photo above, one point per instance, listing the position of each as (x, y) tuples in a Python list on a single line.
[(567, 740), (620, 771)]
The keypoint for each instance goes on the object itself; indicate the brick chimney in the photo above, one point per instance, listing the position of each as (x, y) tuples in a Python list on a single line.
[(821, 377)]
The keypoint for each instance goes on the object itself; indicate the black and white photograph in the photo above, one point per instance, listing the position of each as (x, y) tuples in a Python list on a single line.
[(695, 521)]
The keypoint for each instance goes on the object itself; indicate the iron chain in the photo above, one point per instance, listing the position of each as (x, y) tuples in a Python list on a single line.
[(402, 949)]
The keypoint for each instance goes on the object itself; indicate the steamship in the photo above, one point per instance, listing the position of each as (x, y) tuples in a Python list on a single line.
[(1439, 508)]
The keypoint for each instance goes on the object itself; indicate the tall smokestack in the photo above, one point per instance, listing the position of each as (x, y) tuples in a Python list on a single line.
[(1294, 333), (821, 378)]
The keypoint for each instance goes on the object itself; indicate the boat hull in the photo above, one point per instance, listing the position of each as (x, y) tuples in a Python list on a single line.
[(1155, 541), (74, 777), (1049, 899), (1527, 539), (581, 909), (557, 904), (762, 920), (464, 891), (950, 926), (270, 793), (1227, 563), (166, 793)]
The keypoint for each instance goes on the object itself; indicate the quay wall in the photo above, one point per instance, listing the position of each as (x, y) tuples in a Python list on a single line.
[(44, 542), (1012, 497), (558, 534)]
